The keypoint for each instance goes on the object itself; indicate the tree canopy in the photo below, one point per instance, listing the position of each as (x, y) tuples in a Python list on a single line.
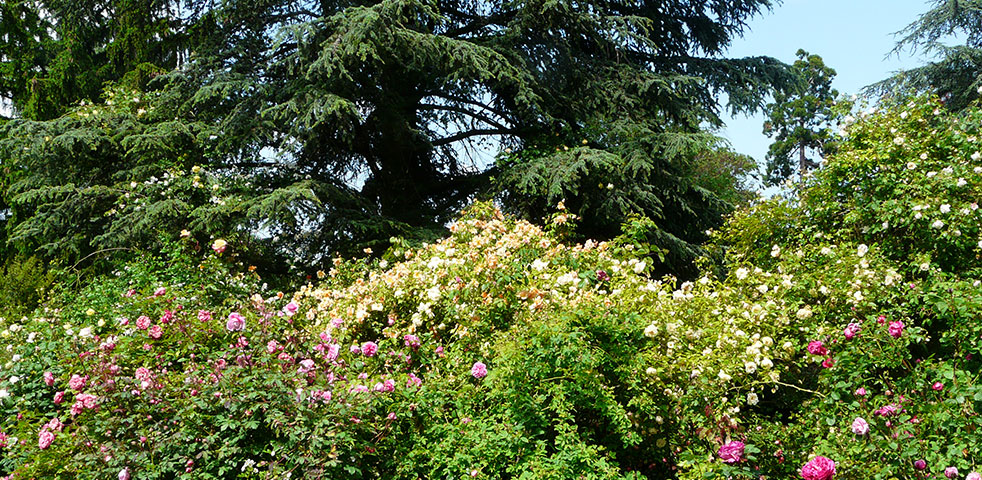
[(800, 121), (956, 73), (343, 125)]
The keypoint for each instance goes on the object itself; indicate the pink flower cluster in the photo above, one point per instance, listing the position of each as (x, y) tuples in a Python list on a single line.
[(47, 434), (77, 382), (84, 401)]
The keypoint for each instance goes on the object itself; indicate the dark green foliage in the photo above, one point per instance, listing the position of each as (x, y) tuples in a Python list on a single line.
[(800, 120), (334, 127), (24, 283), (58, 52), (956, 73)]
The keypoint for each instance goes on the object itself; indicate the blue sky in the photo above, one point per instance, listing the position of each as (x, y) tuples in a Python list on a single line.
[(852, 36)]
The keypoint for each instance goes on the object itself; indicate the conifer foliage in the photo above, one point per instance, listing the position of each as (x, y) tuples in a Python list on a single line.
[(370, 120)]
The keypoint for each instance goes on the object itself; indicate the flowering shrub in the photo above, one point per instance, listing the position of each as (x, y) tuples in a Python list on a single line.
[(832, 338)]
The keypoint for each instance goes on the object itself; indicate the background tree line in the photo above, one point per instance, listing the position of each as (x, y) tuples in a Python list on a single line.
[(305, 130)]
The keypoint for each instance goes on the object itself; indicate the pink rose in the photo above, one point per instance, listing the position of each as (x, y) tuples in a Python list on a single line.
[(851, 331), (77, 382), (896, 329), (45, 438), (160, 292), (59, 396), (861, 392), (828, 363), (818, 468), (938, 386), (204, 315), (290, 309), (860, 426), (143, 322), (973, 476), (950, 472), (732, 452), (889, 410), (920, 464), (816, 347), (49, 378), (369, 349), (479, 370), (156, 331), (143, 373), (235, 323), (124, 474)]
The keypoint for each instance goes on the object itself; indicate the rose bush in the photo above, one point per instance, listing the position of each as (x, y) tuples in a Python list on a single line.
[(833, 335)]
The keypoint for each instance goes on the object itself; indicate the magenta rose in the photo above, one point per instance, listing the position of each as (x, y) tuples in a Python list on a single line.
[(732, 452), (818, 468), (920, 464), (816, 347), (896, 329)]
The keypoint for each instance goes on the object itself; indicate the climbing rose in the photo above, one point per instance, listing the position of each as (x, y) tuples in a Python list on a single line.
[(45, 438), (817, 348), (731, 452), (851, 331), (860, 426), (896, 329), (818, 468), (369, 348), (219, 245), (235, 323), (77, 382), (479, 370)]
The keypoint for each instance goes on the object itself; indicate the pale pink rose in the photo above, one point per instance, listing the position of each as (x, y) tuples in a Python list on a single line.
[(156, 332), (124, 474), (860, 426), (49, 378), (950, 472), (45, 438), (59, 396), (77, 382), (479, 370), (235, 323)]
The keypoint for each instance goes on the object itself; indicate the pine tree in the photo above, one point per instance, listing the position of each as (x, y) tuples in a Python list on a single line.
[(376, 116), (801, 120), (956, 73)]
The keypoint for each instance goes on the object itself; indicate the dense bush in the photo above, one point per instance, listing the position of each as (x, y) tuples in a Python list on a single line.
[(835, 336)]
